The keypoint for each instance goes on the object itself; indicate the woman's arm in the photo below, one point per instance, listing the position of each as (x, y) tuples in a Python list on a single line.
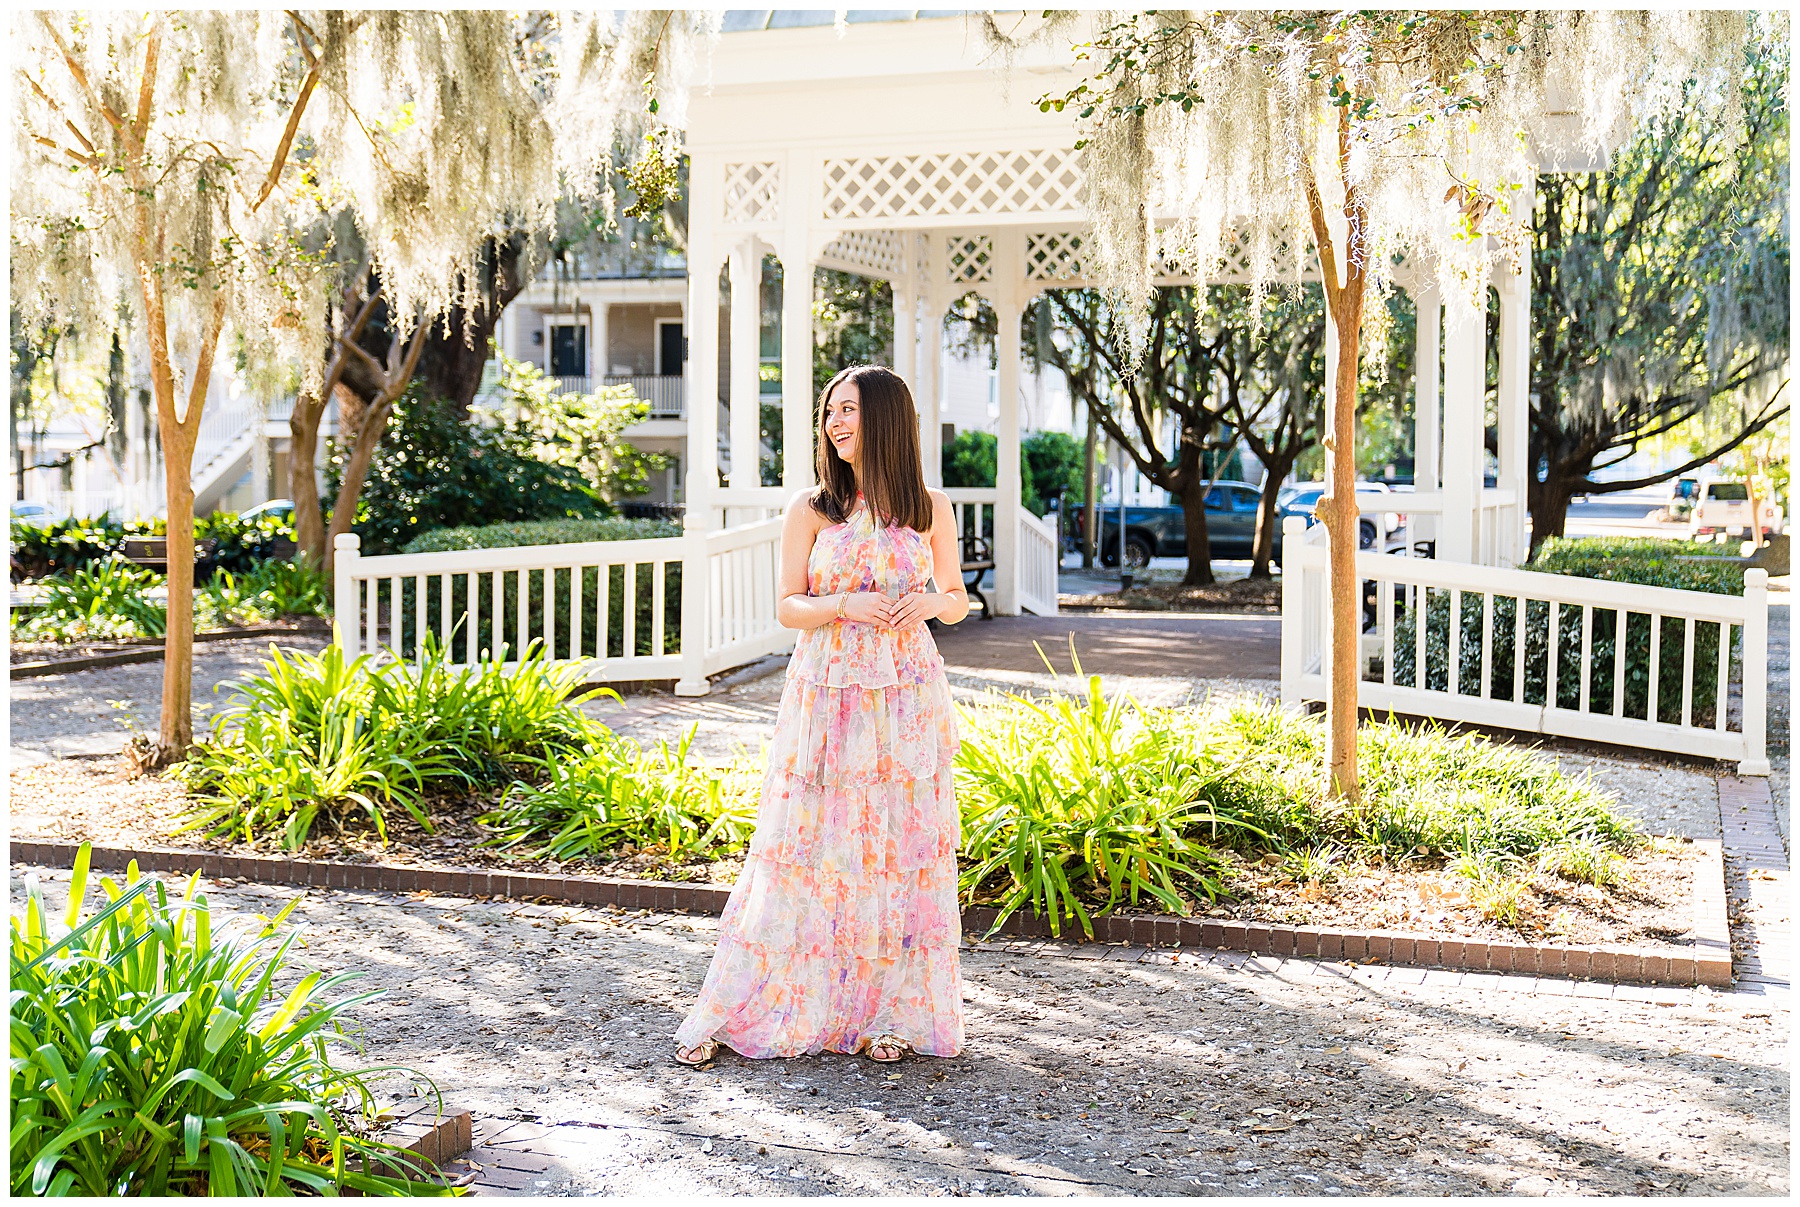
[(794, 608), (951, 601)]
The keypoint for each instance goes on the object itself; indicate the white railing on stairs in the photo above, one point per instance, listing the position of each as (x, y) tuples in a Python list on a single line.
[(1040, 556), (1648, 667), (615, 607)]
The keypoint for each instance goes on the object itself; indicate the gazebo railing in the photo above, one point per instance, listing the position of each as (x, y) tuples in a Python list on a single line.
[(1648, 667), (1040, 557), (613, 606)]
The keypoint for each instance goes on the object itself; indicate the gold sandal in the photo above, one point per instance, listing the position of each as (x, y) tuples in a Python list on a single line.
[(698, 1056), (892, 1043)]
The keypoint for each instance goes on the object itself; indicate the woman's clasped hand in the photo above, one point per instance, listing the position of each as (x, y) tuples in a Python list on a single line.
[(872, 607)]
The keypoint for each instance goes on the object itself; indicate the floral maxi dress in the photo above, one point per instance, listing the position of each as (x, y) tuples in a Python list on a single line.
[(843, 925)]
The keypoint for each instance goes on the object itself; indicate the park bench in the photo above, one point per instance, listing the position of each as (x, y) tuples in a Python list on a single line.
[(977, 559), (152, 552)]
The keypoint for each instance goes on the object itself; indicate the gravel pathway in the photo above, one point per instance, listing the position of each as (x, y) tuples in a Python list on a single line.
[(60, 715), (1081, 1076)]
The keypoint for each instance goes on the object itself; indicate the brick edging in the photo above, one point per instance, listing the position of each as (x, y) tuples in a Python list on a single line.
[(438, 1138), (1707, 962)]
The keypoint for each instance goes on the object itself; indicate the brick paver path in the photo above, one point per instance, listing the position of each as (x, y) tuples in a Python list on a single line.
[(1756, 881), (1216, 646)]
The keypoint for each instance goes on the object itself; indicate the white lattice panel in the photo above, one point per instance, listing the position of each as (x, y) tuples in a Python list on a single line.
[(968, 259), (955, 185), (871, 253), (752, 193), (1053, 256)]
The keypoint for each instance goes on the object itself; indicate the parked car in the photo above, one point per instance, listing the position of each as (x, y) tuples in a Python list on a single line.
[(1162, 531), (34, 513), (281, 508), (1374, 529), (1724, 506)]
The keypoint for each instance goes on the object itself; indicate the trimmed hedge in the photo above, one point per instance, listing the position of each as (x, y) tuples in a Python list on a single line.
[(1646, 561), (1643, 561), (541, 532), (548, 532)]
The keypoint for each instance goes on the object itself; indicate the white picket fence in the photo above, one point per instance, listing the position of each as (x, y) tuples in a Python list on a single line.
[(1540, 653), (621, 609)]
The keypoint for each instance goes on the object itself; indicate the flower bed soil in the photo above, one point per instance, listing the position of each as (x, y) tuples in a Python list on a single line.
[(94, 799), (1239, 595)]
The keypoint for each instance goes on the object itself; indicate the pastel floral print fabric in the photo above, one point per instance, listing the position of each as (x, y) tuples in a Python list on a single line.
[(843, 925)]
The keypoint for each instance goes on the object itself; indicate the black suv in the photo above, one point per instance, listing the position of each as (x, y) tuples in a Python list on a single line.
[(1162, 532)]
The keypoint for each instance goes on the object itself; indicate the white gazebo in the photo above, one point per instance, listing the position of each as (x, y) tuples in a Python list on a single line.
[(893, 146)]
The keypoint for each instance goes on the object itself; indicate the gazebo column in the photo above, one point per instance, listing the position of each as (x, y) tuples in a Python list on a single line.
[(1428, 304), (1008, 272), (746, 346), (701, 473), (929, 387), (798, 194), (928, 390), (1465, 376), (1514, 414)]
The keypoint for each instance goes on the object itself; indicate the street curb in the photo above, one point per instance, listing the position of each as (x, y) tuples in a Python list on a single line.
[(1707, 962), (153, 653)]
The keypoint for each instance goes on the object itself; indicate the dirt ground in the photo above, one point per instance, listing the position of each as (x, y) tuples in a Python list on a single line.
[(1080, 1077), (93, 799)]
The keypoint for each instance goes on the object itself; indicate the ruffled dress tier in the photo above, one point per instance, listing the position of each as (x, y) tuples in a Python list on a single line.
[(843, 925)]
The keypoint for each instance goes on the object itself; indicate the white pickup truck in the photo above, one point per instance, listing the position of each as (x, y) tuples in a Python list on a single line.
[(1725, 507)]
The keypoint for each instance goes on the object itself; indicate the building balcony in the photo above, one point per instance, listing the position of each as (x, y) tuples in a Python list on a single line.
[(662, 392)]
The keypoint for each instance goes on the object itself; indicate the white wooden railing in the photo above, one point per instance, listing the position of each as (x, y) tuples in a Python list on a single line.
[(662, 392), (619, 608), (973, 507), (1541, 653), (1040, 557)]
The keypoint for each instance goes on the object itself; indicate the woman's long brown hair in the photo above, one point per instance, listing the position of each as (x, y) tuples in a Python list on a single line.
[(893, 480)]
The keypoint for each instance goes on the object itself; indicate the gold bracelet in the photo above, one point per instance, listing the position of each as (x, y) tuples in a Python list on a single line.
[(843, 598)]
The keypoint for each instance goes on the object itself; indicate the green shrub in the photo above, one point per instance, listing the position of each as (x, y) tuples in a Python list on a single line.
[(556, 532), (1070, 807), (270, 590), (1646, 561), (40, 550), (1643, 561), (1048, 461), (433, 470), (613, 793), (541, 532), (314, 735), (152, 1056), (100, 601)]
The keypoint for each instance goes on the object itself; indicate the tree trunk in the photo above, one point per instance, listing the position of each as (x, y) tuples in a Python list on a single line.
[(451, 365), (1337, 509), (1199, 543), (1548, 502), (1268, 522), (356, 472), (303, 482), (176, 730)]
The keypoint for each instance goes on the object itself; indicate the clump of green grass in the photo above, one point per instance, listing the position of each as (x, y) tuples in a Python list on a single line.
[(153, 1056), (105, 600), (614, 793), (1071, 806), (315, 736), (1585, 857)]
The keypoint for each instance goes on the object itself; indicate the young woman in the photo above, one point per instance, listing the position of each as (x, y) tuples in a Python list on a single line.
[(841, 932)]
